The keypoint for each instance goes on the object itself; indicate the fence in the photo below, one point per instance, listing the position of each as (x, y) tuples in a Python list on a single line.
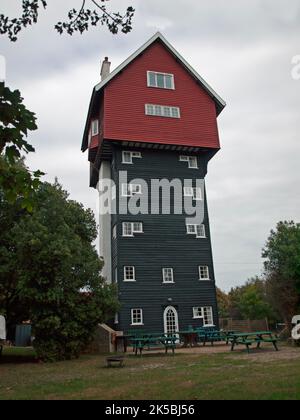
[(244, 325)]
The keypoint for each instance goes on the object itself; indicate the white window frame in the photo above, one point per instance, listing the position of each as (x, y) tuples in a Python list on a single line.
[(127, 235), (133, 229), (128, 190), (165, 272), (194, 230), (156, 73), (200, 273), (141, 316), (190, 160), (197, 312), (155, 110), (94, 128), (195, 192), (205, 313), (130, 278), (133, 155), (208, 317)]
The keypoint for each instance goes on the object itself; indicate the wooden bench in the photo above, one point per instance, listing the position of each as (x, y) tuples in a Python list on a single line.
[(117, 361)]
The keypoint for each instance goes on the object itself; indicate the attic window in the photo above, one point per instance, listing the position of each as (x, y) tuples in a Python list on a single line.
[(95, 128), (162, 111), (160, 80)]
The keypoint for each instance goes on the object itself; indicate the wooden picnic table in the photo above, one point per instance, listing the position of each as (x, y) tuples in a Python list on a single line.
[(248, 339), (139, 343)]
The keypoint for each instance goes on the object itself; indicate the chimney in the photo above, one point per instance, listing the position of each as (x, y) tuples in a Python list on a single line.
[(105, 69)]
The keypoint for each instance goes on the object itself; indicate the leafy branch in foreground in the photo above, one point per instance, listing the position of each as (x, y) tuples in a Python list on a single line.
[(15, 123), (78, 20)]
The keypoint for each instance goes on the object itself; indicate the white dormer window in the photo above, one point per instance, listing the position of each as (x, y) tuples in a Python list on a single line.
[(160, 80), (192, 161), (95, 128), (127, 157), (129, 190), (196, 193), (162, 111)]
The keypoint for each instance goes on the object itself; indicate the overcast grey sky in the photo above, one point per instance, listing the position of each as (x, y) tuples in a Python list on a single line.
[(242, 48)]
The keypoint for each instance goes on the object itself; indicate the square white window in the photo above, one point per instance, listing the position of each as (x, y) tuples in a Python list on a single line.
[(136, 317), (197, 312), (200, 231), (127, 229), (168, 275), (137, 227), (204, 272), (191, 229), (129, 273), (95, 127), (208, 319)]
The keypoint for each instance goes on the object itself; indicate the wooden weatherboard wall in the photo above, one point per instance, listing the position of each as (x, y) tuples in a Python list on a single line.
[(118, 102), (164, 244)]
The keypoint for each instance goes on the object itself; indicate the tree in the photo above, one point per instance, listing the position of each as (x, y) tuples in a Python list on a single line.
[(51, 268), (250, 301), (16, 121), (282, 268), (223, 303), (77, 21)]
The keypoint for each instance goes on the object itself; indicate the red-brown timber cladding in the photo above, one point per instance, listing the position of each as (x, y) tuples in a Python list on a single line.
[(125, 97)]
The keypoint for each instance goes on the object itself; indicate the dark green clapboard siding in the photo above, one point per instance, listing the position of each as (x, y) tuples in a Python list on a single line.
[(163, 244)]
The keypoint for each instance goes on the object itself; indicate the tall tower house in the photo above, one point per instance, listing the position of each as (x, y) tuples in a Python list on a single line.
[(154, 119)]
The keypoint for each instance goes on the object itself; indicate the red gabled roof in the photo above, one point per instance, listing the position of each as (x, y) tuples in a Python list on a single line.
[(219, 102)]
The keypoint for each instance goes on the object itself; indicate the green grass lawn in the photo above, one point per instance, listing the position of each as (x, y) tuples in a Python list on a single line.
[(262, 375)]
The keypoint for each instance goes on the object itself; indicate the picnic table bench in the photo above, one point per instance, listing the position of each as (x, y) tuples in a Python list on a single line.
[(154, 341), (111, 360), (248, 339), (211, 335)]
